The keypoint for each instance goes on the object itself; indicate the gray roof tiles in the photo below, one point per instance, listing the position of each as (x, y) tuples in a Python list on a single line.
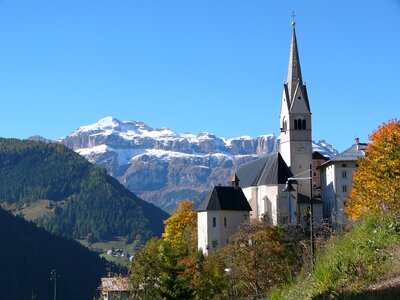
[(351, 154), (225, 198), (268, 170)]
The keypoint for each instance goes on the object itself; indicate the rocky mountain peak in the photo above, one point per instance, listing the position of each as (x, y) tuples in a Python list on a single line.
[(164, 167)]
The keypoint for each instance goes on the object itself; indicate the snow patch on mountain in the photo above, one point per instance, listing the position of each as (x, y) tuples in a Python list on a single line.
[(164, 167)]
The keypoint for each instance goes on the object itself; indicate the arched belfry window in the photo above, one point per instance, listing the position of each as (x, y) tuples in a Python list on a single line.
[(284, 125), (300, 124)]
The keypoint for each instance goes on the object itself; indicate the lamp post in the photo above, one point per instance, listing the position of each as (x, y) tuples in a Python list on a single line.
[(53, 276), (289, 188)]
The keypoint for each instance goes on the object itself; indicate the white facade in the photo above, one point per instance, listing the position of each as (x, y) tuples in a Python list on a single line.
[(216, 227), (268, 201), (271, 203), (336, 181)]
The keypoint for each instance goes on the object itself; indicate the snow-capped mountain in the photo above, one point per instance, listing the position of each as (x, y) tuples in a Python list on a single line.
[(164, 167)]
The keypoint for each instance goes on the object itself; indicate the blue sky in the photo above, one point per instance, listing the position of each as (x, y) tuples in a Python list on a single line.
[(199, 65)]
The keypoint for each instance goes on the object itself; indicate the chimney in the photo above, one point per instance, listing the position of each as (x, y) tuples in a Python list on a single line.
[(357, 143), (235, 181)]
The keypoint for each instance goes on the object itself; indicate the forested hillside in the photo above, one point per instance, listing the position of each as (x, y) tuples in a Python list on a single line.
[(29, 254), (84, 200)]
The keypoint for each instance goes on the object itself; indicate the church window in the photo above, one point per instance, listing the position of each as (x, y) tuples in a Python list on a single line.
[(300, 124), (344, 174), (299, 97), (214, 222), (225, 221), (344, 188), (284, 125), (344, 165)]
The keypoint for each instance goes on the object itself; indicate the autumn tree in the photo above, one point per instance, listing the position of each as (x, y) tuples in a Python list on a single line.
[(376, 183), (182, 222), (260, 257), (166, 268)]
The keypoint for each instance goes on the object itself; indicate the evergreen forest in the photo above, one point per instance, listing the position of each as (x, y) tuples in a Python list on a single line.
[(28, 256), (83, 200)]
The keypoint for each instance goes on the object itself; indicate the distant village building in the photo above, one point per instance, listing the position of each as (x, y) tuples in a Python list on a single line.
[(336, 179), (220, 215), (115, 288)]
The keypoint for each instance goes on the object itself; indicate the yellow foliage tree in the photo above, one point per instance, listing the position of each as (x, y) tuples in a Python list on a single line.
[(182, 225), (376, 183)]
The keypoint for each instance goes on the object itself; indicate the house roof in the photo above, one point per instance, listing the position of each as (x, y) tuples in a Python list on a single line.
[(225, 198), (317, 155), (114, 284), (306, 199), (351, 154), (268, 170)]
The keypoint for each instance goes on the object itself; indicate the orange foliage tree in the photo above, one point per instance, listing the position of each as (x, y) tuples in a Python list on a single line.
[(376, 183)]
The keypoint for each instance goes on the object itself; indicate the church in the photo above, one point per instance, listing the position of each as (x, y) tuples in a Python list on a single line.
[(260, 194), (264, 180)]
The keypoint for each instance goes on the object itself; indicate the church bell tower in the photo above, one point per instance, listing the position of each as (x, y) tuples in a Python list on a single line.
[(295, 121)]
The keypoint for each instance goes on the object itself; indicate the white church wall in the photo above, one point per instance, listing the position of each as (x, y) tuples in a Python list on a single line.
[(230, 221), (215, 228), (328, 189), (251, 194), (202, 235)]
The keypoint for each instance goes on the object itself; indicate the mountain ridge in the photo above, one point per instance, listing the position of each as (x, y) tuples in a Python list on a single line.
[(164, 167)]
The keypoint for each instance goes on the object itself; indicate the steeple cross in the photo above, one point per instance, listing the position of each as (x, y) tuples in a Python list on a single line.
[(293, 16)]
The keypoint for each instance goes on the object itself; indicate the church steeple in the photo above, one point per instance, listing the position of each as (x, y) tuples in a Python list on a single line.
[(295, 120), (294, 78)]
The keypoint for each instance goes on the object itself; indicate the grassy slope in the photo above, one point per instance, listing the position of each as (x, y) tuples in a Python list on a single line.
[(351, 265)]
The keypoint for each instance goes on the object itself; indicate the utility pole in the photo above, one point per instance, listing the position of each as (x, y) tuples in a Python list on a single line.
[(312, 221), (53, 276)]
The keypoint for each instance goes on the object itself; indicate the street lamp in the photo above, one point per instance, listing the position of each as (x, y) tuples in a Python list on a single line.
[(53, 276), (289, 188)]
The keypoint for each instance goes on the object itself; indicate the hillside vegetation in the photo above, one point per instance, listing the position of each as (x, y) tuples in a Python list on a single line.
[(349, 264), (85, 202), (29, 253)]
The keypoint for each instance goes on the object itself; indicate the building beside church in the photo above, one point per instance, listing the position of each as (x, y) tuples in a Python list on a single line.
[(336, 179), (220, 215)]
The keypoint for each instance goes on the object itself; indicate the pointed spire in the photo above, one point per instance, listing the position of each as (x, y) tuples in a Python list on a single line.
[(294, 72), (235, 181)]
